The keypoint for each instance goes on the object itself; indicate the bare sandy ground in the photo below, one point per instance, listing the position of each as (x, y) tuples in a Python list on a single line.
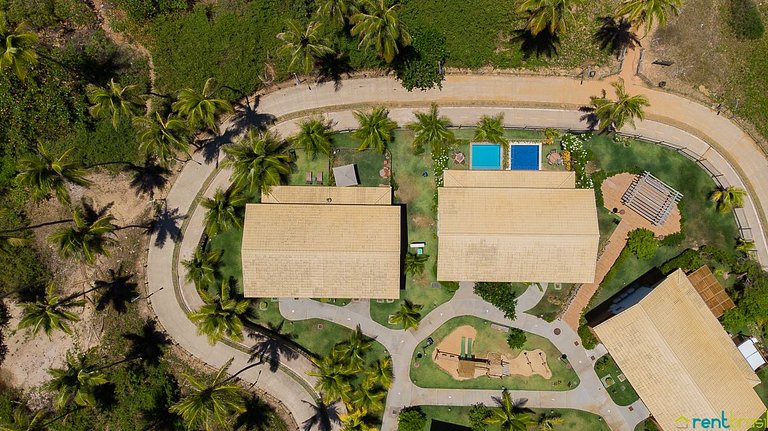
[(526, 363)]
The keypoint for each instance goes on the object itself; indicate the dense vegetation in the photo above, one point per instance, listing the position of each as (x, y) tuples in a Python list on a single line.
[(500, 295)]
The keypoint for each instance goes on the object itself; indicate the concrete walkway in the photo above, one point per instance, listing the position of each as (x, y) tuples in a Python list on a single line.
[(525, 101), (612, 250), (589, 395)]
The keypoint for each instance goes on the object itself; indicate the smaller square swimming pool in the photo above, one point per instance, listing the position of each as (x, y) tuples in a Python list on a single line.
[(485, 156), (525, 157)]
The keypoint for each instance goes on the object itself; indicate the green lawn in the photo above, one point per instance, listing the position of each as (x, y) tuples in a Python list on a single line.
[(622, 393), (701, 223), (572, 419), (553, 301), (429, 375), (416, 192), (762, 388), (647, 425)]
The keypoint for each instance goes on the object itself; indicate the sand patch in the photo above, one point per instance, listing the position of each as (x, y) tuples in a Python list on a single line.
[(458, 355)]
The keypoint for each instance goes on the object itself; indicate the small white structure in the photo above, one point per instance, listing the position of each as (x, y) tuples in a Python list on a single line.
[(345, 176), (751, 354)]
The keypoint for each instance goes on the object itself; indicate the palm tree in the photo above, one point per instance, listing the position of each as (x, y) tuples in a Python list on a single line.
[(200, 108), (49, 313), (408, 315), (210, 404), (19, 53), (332, 378), (259, 161), (162, 138), (508, 416), (547, 421), (43, 174), (356, 420), (10, 242), (379, 373), (203, 268), (646, 12), (414, 263), (375, 129), (728, 198), (616, 35), (76, 382), (353, 349), (221, 316), (314, 136), (86, 238), (303, 46), (489, 129), (114, 101), (744, 245), (223, 211), (379, 27), (430, 129), (612, 115), (368, 399), (550, 15), (337, 10), (24, 420)]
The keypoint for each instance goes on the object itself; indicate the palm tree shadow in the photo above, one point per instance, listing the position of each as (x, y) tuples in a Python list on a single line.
[(323, 417), (148, 178), (331, 67), (256, 416), (166, 225), (589, 117), (149, 345), (272, 345), (91, 213), (243, 119), (542, 44), (518, 405), (118, 290)]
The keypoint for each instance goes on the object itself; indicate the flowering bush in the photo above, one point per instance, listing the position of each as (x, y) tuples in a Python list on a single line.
[(439, 163), (580, 155)]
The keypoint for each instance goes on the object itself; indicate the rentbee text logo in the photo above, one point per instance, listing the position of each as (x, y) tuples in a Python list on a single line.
[(722, 422)]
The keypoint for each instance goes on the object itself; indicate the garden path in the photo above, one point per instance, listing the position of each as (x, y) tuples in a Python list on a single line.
[(537, 101), (589, 395)]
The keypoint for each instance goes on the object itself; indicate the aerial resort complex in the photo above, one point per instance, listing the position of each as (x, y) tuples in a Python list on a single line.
[(383, 215)]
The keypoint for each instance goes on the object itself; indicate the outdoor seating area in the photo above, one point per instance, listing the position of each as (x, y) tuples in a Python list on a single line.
[(651, 198), (310, 179)]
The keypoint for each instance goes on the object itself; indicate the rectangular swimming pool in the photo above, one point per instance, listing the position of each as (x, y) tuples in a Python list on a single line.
[(525, 156), (485, 156)]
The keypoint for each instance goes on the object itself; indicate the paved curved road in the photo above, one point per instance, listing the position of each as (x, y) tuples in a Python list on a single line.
[(526, 101)]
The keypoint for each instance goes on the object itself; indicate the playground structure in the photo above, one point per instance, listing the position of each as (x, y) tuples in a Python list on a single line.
[(456, 354)]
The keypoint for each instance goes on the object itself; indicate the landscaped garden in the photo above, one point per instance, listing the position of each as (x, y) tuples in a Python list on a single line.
[(569, 419), (614, 381), (555, 298), (484, 340)]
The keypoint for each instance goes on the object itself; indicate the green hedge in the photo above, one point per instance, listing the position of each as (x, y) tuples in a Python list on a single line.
[(745, 19)]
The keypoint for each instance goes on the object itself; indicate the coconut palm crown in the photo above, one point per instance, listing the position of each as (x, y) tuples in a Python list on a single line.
[(259, 161), (49, 313), (375, 129), (18, 52), (303, 45), (43, 174), (114, 101), (553, 16), (379, 27), (201, 108)]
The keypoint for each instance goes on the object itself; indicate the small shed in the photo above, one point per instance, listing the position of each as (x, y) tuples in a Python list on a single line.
[(346, 175)]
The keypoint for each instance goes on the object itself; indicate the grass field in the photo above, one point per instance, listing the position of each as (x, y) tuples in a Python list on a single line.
[(703, 43), (552, 302), (701, 222), (429, 375), (572, 419), (622, 393), (762, 389)]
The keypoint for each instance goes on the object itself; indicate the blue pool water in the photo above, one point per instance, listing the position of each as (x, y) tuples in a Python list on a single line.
[(486, 156), (524, 157)]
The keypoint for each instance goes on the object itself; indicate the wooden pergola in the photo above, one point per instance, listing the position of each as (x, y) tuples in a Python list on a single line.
[(651, 198)]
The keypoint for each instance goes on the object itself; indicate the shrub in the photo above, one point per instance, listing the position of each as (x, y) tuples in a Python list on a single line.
[(602, 363), (516, 338), (745, 19), (687, 260), (477, 416), (500, 295), (734, 321), (642, 243), (417, 65), (411, 419), (673, 240), (142, 10), (450, 286), (588, 339)]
